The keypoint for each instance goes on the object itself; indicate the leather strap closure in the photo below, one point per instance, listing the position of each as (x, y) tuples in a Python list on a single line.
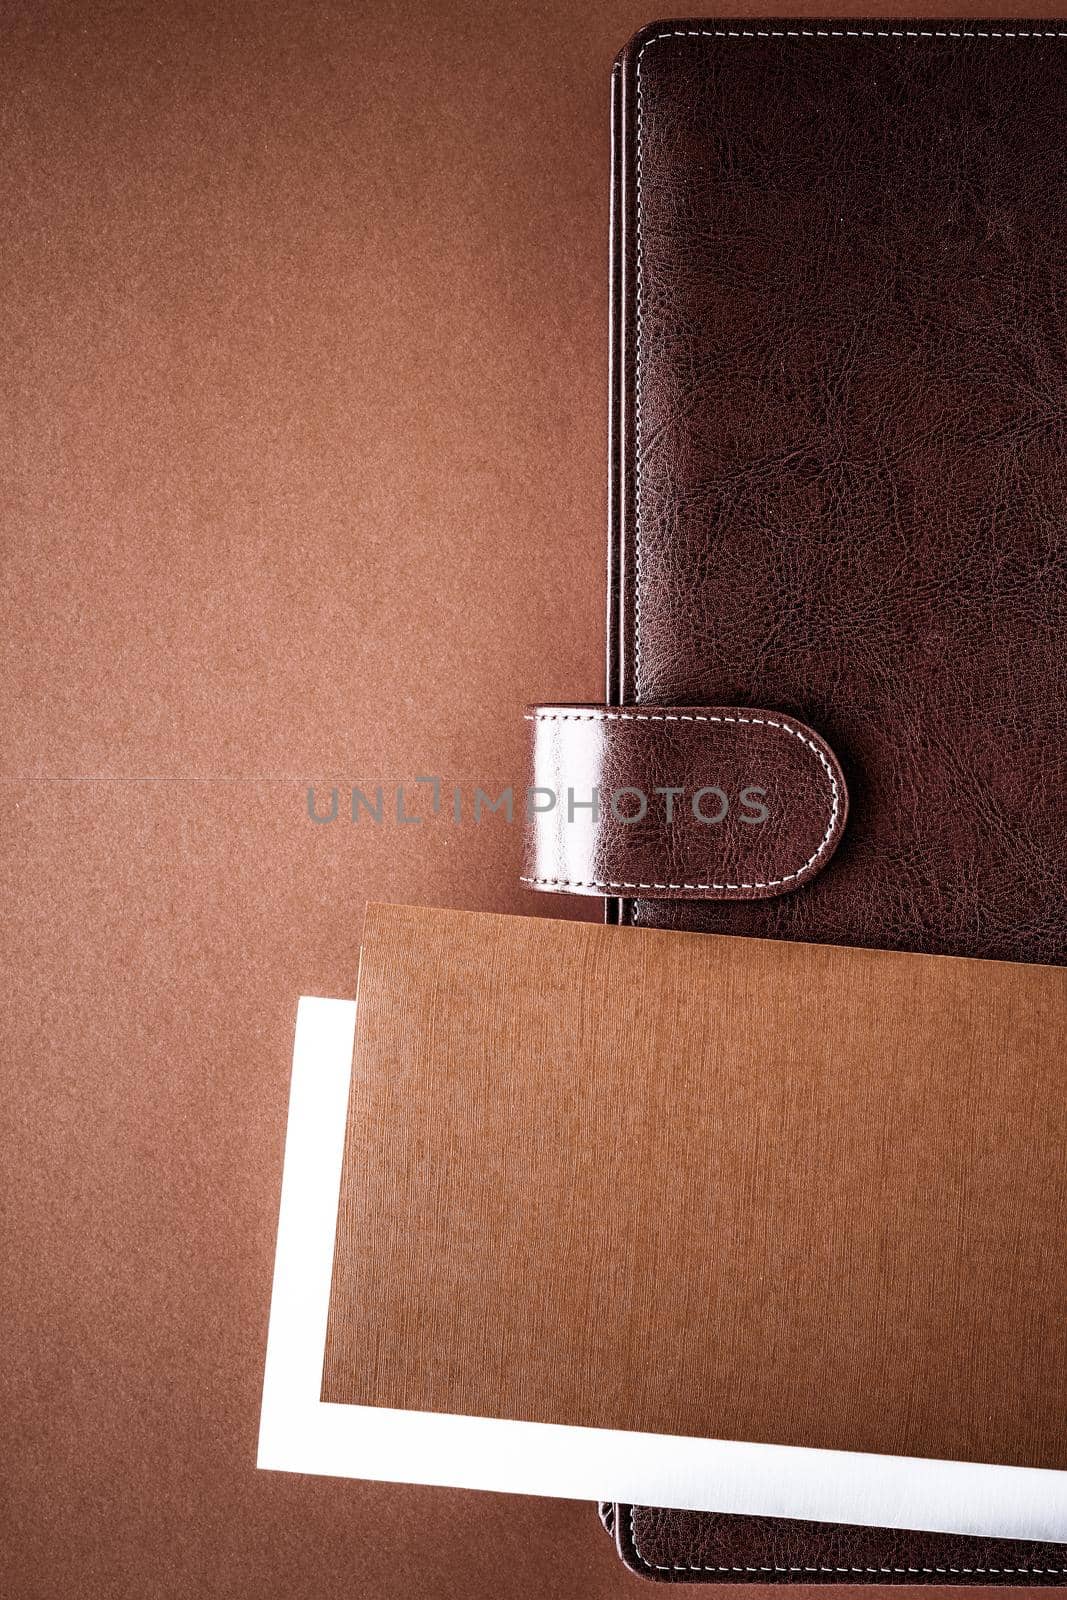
[(679, 802)]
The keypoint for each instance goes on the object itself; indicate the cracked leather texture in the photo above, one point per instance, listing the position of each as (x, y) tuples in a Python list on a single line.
[(695, 1547), (839, 490)]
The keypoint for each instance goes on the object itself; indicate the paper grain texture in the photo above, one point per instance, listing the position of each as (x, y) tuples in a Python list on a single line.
[(705, 1186)]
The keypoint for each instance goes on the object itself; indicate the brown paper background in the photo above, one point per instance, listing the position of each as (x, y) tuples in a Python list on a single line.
[(301, 473)]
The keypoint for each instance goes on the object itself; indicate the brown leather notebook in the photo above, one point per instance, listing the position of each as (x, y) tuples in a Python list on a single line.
[(839, 493), (835, 1180)]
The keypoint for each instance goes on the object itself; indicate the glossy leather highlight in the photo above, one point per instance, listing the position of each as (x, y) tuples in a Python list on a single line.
[(707, 802)]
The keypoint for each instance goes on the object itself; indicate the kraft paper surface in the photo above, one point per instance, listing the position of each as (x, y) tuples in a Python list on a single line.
[(689, 1184)]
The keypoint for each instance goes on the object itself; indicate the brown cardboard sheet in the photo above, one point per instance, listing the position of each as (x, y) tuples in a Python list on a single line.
[(722, 1187)]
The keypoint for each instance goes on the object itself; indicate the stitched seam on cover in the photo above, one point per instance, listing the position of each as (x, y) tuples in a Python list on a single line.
[(734, 33), (963, 1572), (692, 716), (638, 309), (750, 33)]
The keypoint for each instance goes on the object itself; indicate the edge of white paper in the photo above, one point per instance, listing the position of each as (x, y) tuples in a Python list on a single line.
[(300, 1433)]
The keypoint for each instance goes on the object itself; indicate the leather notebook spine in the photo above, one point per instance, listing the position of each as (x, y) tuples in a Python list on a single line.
[(614, 908)]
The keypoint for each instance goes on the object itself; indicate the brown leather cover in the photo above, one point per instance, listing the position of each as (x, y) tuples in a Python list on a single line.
[(517, 1079), (839, 483), (706, 802), (701, 1547)]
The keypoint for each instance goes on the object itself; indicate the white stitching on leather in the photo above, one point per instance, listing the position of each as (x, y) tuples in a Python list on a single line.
[(736, 33), (638, 307), (745, 33), (963, 1572), (693, 716), (851, 33)]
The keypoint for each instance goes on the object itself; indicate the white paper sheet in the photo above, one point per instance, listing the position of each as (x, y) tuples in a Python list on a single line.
[(299, 1433)]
